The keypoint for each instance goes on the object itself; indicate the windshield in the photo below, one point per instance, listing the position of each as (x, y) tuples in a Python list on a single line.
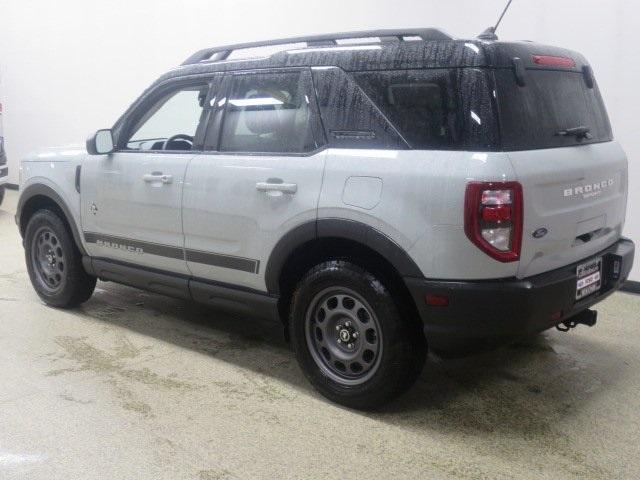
[(553, 109)]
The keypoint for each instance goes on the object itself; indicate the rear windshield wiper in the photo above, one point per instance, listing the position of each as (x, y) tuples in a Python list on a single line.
[(578, 132)]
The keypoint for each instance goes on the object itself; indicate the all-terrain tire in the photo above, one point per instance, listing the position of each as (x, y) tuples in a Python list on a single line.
[(54, 262), (335, 300)]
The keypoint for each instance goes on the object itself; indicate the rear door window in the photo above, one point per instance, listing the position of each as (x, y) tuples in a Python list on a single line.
[(436, 109), (531, 116), (269, 113)]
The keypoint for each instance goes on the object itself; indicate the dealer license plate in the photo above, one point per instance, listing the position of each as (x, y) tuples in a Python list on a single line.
[(589, 278)]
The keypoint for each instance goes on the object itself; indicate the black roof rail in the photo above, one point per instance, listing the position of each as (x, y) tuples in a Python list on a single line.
[(221, 53)]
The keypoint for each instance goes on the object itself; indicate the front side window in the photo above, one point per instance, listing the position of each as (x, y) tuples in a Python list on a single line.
[(171, 123), (268, 113)]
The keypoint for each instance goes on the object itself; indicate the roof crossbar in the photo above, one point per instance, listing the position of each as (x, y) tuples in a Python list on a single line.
[(221, 53)]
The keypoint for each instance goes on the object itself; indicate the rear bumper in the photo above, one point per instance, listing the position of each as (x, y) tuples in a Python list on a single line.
[(484, 313)]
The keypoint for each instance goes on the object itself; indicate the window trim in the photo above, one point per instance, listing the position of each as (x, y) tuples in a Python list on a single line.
[(216, 119)]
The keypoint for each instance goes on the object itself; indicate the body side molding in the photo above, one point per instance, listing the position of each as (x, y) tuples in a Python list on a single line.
[(196, 256)]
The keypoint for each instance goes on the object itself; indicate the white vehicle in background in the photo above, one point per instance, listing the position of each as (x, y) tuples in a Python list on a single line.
[(4, 170)]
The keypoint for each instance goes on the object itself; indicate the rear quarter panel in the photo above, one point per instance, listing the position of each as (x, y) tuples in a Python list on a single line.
[(419, 205)]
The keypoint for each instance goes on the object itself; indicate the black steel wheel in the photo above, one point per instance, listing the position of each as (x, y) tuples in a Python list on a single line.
[(354, 342), (343, 335), (54, 262), (47, 258)]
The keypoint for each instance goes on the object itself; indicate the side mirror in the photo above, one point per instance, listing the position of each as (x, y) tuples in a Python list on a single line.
[(101, 143)]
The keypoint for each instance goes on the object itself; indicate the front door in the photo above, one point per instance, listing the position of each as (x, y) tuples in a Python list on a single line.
[(259, 177), (131, 199)]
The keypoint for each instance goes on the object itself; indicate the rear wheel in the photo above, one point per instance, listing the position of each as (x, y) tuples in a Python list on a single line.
[(1, 194), (55, 263), (350, 337)]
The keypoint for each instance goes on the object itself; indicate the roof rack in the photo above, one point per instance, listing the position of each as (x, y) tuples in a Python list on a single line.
[(222, 53)]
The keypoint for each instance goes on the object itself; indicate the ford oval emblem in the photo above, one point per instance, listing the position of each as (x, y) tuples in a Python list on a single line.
[(539, 233)]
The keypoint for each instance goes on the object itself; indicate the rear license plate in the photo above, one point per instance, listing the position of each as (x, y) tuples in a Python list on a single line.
[(589, 278)]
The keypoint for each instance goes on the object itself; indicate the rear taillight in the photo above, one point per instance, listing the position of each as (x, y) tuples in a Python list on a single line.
[(493, 218)]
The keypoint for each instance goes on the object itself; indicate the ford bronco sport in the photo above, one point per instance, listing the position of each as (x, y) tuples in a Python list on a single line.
[(378, 192)]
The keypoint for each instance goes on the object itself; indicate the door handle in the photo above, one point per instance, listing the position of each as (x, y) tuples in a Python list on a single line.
[(277, 187), (157, 177)]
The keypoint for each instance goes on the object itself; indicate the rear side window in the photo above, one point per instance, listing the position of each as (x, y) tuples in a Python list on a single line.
[(551, 101), (437, 109), (268, 112), (350, 119)]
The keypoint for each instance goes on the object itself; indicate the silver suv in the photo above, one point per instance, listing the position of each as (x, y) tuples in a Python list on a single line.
[(377, 192)]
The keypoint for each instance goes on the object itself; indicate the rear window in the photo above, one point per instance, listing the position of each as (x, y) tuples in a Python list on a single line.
[(550, 102), (435, 109)]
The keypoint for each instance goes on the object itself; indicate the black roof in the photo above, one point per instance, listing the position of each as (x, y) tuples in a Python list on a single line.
[(395, 49), (391, 50)]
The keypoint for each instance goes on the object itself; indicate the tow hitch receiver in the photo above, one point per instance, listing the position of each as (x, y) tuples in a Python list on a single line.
[(586, 317)]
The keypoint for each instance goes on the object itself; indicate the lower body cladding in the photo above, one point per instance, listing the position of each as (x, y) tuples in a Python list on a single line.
[(464, 316), (232, 299)]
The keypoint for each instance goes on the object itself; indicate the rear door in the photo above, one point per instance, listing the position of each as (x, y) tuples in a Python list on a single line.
[(574, 177), (131, 199), (259, 178)]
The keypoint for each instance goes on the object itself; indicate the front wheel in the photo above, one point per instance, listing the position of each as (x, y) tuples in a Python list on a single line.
[(351, 339), (55, 263), (1, 195)]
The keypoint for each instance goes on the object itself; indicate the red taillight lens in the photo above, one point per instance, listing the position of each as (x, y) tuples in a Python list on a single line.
[(553, 61), (499, 213), (493, 218)]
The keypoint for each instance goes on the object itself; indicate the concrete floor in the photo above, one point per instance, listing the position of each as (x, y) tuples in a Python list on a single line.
[(137, 386)]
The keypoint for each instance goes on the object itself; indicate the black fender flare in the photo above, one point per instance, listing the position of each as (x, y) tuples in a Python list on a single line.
[(39, 189), (341, 229)]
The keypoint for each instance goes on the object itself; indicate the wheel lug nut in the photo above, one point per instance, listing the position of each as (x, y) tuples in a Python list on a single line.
[(347, 324), (338, 327), (339, 341), (355, 335), (350, 345)]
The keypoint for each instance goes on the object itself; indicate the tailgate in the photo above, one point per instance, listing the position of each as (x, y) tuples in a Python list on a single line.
[(574, 176), (578, 195)]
